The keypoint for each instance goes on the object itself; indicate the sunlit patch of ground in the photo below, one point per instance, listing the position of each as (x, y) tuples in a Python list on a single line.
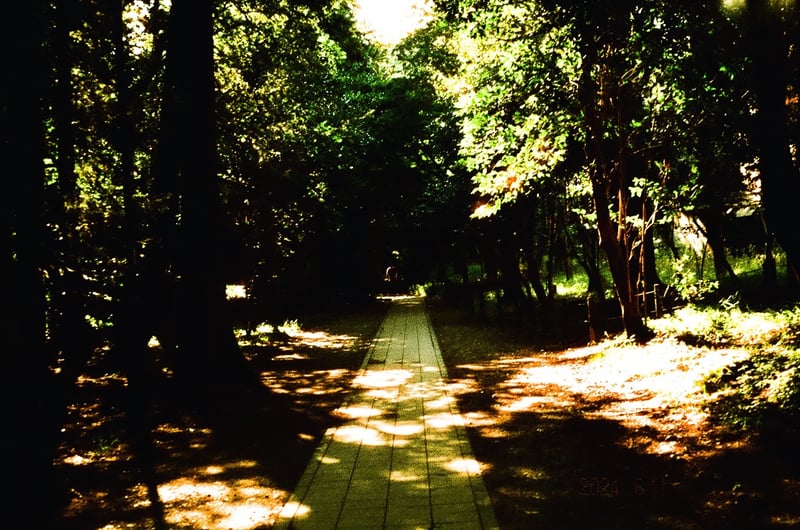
[(220, 496), (656, 388), (616, 434), (291, 337), (202, 502)]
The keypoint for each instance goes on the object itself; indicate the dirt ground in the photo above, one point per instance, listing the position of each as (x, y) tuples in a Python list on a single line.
[(612, 435), (569, 435)]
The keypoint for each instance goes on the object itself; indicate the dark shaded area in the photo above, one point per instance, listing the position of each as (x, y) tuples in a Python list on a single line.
[(583, 477), (563, 322), (114, 453)]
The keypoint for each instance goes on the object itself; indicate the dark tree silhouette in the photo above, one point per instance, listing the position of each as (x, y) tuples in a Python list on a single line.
[(206, 347), (30, 410), (771, 39)]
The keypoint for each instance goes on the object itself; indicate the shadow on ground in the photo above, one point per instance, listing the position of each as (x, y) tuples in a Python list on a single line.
[(230, 464)]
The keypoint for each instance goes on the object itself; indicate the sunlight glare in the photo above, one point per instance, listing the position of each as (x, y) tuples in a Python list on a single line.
[(389, 21), (244, 516), (444, 420), (358, 411), (382, 378), (403, 476), (443, 402), (294, 509), (526, 403), (733, 5), (401, 428), (217, 505)]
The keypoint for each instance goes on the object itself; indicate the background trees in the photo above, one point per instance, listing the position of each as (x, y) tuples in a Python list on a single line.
[(772, 34), (625, 116), (25, 255)]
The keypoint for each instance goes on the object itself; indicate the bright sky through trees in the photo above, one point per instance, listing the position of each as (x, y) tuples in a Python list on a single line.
[(388, 21)]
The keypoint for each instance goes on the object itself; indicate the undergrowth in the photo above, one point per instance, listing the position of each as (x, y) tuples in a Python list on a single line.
[(761, 391)]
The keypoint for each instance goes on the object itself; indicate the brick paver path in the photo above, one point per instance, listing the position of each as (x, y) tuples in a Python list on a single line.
[(402, 460)]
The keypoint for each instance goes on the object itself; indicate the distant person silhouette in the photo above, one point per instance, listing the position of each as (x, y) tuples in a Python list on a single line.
[(392, 279)]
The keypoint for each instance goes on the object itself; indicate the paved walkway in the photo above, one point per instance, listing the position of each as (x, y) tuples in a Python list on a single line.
[(402, 459)]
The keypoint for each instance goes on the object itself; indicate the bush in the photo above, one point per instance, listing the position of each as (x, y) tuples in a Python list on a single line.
[(763, 390), (758, 391)]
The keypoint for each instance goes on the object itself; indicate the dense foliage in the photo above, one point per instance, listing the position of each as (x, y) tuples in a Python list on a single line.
[(611, 122)]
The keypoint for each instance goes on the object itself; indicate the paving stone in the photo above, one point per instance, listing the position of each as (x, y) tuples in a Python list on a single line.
[(404, 461)]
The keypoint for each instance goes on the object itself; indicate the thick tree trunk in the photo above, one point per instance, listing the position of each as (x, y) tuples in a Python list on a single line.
[(618, 264), (68, 329), (780, 179), (133, 329), (30, 424), (208, 354)]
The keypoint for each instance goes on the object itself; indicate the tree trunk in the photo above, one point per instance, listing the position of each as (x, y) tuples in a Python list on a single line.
[(534, 262), (68, 329), (780, 179), (712, 230), (606, 175), (31, 411), (511, 275), (590, 261), (618, 264), (208, 354)]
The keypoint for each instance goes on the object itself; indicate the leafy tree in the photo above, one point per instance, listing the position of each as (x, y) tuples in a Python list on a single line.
[(294, 130), (550, 73), (630, 107), (715, 119)]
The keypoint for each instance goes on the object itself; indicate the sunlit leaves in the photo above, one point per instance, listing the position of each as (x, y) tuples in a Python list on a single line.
[(510, 158), (136, 16), (520, 73)]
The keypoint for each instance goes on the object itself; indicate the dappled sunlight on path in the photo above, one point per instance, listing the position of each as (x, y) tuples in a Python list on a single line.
[(401, 457)]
